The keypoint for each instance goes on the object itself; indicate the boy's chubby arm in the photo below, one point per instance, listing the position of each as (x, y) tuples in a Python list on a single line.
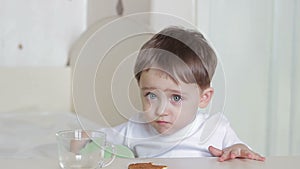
[(235, 151)]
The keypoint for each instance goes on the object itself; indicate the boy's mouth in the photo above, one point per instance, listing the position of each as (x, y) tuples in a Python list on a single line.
[(161, 122)]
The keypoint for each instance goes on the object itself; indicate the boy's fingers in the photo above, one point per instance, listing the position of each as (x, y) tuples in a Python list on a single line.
[(235, 153), (258, 157), (246, 154), (225, 156), (228, 154), (251, 155), (215, 151)]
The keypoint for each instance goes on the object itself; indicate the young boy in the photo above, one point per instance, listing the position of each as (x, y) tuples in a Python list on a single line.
[(174, 70)]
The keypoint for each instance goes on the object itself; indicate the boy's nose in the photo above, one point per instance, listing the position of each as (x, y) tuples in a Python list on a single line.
[(164, 108)]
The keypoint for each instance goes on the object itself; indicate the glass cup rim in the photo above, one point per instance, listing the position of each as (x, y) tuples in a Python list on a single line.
[(64, 134)]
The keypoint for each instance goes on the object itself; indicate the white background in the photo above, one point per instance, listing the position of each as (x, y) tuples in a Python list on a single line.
[(257, 40)]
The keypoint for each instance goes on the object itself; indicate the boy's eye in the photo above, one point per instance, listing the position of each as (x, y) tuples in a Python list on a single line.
[(151, 95), (176, 98)]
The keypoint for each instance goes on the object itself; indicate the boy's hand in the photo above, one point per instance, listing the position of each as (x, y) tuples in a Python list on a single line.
[(235, 151)]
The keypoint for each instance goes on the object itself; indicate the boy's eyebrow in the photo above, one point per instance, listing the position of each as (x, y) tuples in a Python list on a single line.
[(168, 90), (148, 88)]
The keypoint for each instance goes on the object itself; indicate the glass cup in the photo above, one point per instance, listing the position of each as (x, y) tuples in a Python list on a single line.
[(83, 149)]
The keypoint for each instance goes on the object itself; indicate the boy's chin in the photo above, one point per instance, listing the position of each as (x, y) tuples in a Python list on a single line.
[(164, 131)]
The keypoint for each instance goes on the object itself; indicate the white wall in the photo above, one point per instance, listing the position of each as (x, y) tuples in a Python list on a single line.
[(39, 33), (99, 9), (258, 44), (295, 106), (38, 89), (183, 9), (284, 79)]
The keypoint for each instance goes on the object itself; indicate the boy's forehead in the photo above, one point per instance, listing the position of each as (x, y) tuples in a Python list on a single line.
[(161, 74), (158, 73)]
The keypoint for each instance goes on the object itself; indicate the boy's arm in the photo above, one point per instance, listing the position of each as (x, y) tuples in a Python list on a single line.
[(235, 151)]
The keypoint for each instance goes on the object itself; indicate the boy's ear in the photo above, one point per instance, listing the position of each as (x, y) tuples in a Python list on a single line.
[(205, 97)]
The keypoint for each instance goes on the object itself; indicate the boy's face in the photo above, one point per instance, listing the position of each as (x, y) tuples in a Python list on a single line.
[(169, 106)]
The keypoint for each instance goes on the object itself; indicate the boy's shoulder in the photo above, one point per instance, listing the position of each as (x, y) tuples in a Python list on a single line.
[(215, 119), (136, 122)]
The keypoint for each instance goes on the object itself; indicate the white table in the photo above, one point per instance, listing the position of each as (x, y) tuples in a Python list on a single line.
[(285, 162), (212, 163)]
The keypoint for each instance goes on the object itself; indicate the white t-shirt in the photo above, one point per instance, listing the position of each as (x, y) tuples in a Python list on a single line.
[(191, 141)]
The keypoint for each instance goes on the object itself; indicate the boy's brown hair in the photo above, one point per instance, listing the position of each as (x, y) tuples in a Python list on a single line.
[(182, 53)]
